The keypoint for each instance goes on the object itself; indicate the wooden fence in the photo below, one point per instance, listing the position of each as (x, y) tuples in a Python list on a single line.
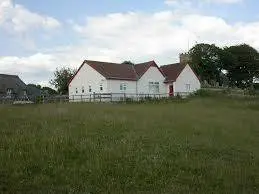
[(95, 97)]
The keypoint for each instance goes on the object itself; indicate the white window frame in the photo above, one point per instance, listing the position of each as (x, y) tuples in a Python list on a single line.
[(188, 87), (123, 87), (101, 87), (76, 90), (90, 89), (9, 91), (154, 87), (83, 89)]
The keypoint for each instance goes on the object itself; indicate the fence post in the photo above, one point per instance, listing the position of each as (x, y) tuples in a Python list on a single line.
[(81, 98), (90, 97), (94, 97), (100, 95), (124, 97), (111, 96)]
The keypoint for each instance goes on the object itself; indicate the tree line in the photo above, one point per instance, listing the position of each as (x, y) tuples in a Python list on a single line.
[(233, 66)]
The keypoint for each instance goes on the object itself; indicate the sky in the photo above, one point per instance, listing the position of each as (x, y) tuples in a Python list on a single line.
[(36, 37)]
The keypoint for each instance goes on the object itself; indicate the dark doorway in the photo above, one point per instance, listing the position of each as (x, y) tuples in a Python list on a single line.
[(171, 90)]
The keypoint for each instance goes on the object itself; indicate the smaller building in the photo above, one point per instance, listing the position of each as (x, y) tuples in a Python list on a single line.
[(12, 87), (180, 79)]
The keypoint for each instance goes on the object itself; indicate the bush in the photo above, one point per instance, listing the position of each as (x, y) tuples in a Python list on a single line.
[(226, 91), (250, 91), (203, 93), (178, 96), (129, 100), (39, 99)]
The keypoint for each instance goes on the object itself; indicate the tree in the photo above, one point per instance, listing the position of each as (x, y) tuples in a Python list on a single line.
[(242, 65), (34, 85), (128, 62), (49, 90), (207, 62), (61, 79)]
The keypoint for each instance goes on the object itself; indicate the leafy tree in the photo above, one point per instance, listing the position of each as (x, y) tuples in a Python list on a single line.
[(34, 85), (207, 61), (49, 90), (61, 79), (242, 65), (128, 62)]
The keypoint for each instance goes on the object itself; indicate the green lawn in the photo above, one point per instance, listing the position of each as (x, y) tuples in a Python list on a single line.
[(204, 145)]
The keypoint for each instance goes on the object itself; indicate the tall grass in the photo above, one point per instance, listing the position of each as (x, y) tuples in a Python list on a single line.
[(205, 145)]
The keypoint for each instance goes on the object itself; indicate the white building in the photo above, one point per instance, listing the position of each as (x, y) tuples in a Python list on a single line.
[(180, 79), (94, 77)]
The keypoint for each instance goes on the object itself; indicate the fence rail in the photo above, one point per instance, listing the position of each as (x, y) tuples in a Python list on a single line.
[(95, 97)]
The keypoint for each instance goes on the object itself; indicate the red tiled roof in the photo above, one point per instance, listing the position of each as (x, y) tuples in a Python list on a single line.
[(127, 71), (141, 68), (114, 70), (172, 71)]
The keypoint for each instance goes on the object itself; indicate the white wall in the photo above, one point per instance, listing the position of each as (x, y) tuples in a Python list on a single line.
[(87, 76), (187, 76), (151, 75), (113, 86)]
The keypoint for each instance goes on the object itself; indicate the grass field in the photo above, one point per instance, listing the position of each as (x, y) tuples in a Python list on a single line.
[(203, 145)]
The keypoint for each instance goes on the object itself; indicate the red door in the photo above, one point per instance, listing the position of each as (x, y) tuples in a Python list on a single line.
[(171, 90)]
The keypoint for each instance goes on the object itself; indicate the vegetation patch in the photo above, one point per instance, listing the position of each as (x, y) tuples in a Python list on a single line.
[(204, 145)]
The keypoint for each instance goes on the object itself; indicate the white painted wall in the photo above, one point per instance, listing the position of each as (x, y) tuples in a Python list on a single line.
[(187, 76), (87, 76), (113, 86), (151, 75)]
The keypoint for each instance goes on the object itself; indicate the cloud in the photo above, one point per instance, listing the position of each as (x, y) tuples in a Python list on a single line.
[(191, 2), (132, 36), (16, 18), (224, 1), (152, 35)]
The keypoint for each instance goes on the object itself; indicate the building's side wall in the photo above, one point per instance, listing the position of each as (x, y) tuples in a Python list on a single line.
[(86, 78), (114, 86), (151, 75), (187, 81)]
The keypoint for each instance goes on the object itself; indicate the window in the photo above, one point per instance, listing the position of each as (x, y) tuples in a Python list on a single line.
[(9, 91), (76, 90), (101, 87), (90, 89), (188, 87), (154, 87), (83, 89), (123, 87), (24, 92)]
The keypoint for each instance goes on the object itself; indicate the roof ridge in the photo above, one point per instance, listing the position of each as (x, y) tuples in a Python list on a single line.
[(145, 62), (170, 64), (10, 75), (102, 62)]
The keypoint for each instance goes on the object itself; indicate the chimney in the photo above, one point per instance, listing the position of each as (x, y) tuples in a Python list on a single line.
[(184, 58)]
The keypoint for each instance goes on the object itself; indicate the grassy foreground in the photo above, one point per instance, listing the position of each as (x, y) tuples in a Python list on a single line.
[(205, 145)]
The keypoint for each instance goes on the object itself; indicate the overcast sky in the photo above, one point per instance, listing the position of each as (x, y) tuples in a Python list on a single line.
[(36, 37)]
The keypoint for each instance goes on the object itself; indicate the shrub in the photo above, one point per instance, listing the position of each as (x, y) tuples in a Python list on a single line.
[(129, 100), (226, 91), (250, 91), (178, 96), (203, 93)]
